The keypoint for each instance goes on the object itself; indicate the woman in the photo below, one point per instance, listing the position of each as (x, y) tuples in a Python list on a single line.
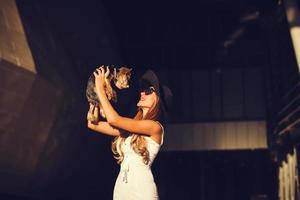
[(136, 151)]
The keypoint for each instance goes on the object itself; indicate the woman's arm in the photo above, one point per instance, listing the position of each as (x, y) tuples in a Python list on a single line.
[(145, 127), (104, 127), (100, 126)]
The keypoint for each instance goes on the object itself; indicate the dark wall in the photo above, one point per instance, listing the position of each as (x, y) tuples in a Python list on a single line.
[(52, 154), (44, 143), (217, 94), (199, 34), (213, 54), (208, 175)]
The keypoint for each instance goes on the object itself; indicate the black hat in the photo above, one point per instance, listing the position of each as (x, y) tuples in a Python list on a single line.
[(149, 78)]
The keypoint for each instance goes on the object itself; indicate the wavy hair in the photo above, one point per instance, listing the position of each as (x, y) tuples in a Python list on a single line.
[(138, 142)]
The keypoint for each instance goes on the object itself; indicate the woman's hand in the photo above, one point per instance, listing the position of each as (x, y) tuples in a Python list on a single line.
[(101, 78), (93, 114)]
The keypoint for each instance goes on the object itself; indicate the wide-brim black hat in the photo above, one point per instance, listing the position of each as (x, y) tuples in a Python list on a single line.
[(149, 78)]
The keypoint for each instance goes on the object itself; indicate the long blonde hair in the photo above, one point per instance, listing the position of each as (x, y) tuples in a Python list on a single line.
[(138, 142)]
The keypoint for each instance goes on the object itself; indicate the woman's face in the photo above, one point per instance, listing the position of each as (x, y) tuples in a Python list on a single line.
[(147, 100)]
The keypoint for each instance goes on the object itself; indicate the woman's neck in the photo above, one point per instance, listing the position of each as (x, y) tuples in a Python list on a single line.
[(145, 110)]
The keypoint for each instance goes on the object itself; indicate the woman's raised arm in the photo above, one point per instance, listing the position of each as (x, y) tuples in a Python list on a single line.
[(146, 127)]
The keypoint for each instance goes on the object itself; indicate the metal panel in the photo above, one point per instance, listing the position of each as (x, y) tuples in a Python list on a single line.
[(215, 136)]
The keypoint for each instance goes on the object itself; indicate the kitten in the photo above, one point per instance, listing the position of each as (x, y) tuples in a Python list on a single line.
[(119, 76)]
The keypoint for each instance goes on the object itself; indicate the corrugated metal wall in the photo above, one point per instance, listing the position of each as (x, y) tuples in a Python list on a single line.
[(216, 109), (227, 94), (215, 136)]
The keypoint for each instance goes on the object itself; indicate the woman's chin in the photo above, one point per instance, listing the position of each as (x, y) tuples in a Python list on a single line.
[(141, 105)]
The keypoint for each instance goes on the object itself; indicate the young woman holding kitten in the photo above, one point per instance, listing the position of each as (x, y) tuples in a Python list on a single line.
[(135, 151)]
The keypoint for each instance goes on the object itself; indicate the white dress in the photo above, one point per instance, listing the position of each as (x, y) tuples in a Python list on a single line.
[(135, 180)]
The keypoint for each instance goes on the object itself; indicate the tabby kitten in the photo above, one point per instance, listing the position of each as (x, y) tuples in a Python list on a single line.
[(120, 78)]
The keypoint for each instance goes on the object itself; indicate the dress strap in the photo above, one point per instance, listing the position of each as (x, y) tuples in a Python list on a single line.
[(163, 131)]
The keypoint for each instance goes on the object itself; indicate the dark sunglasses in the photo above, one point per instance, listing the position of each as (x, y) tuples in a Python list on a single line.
[(147, 90)]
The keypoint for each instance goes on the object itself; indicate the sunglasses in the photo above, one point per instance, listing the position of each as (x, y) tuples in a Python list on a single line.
[(147, 90)]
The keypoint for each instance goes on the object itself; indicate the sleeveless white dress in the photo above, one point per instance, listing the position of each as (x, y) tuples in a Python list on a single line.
[(135, 180)]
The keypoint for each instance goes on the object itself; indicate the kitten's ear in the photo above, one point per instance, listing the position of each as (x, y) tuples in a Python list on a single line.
[(128, 72)]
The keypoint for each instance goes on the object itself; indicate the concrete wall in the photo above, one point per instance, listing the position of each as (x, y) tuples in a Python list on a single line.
[(13, 42)]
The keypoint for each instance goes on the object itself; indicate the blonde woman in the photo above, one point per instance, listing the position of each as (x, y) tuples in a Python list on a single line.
[(135, 151)]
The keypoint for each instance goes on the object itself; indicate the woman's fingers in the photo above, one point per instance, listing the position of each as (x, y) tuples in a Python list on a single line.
[(89, 115), (100, 68), (96, 111), (93, 113), (91, 108), (100, 72), (95, 74), (107, 72)]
